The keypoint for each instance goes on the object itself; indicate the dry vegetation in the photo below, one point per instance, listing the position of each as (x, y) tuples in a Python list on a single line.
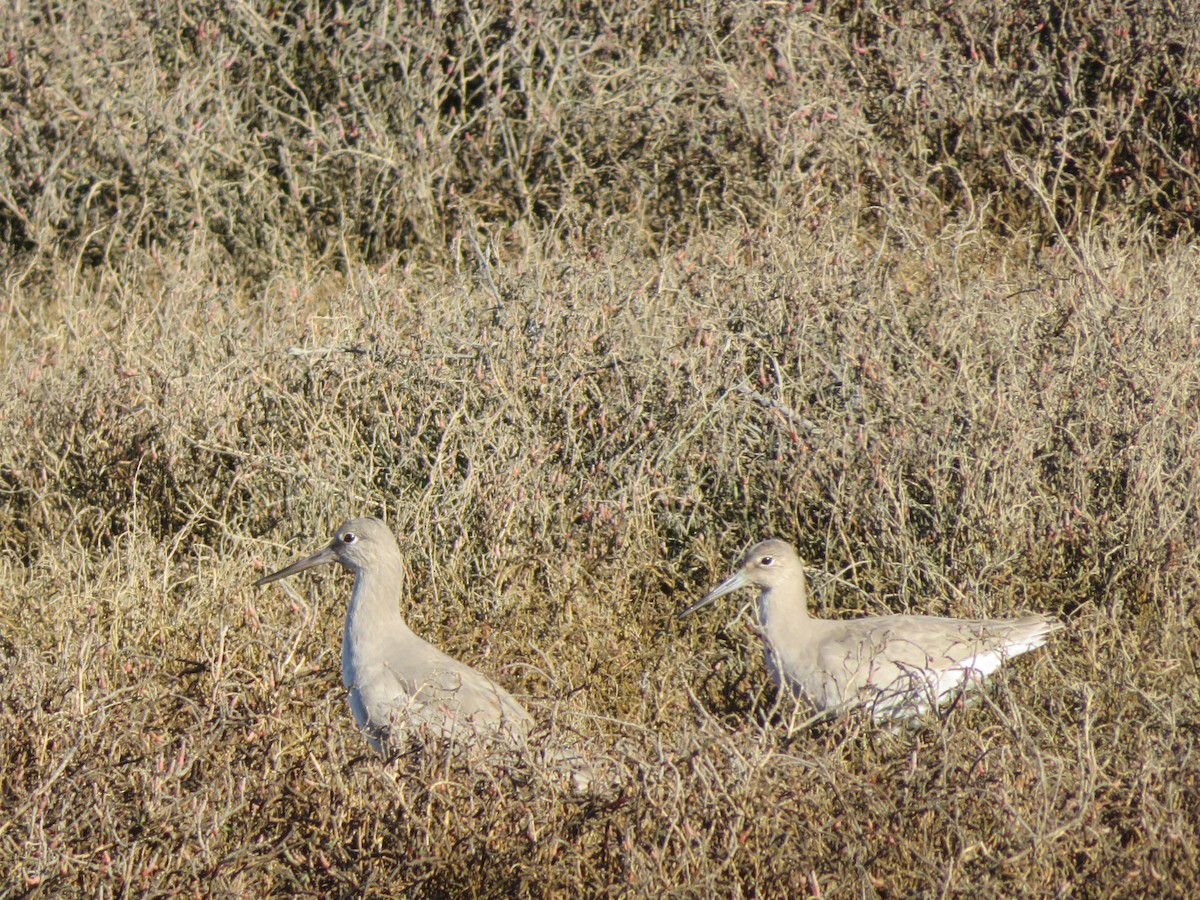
[(584, 299)]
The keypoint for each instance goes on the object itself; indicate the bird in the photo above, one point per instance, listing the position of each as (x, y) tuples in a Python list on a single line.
[(897, 667), (400, 684)]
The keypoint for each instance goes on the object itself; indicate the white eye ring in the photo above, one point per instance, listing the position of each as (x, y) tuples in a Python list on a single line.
[(349, 537)]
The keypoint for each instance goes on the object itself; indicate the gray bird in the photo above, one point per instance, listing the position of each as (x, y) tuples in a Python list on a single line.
[(399, 683), (897, 667)]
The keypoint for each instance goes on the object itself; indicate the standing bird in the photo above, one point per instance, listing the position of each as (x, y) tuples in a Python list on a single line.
[(896, 667), (397, 681)]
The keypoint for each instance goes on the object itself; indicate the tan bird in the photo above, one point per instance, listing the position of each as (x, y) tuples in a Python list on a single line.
[(399, 683), (896, 667)]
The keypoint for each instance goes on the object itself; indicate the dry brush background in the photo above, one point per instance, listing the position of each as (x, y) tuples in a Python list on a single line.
[(582, 300)]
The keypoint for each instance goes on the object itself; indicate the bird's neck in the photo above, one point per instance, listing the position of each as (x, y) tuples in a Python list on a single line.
[(785, 606), (374, 613)]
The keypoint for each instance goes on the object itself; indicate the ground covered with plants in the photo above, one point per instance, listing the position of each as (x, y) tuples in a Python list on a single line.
[(584, 299)]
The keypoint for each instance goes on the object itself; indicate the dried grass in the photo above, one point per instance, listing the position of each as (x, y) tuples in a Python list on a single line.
[(576, 406)]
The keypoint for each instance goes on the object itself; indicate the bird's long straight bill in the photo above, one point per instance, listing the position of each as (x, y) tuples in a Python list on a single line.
[(730, 584), (327, 555)]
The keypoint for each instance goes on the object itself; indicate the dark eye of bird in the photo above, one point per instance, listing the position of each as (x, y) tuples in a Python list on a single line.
[(349, 537), (767, 561)]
